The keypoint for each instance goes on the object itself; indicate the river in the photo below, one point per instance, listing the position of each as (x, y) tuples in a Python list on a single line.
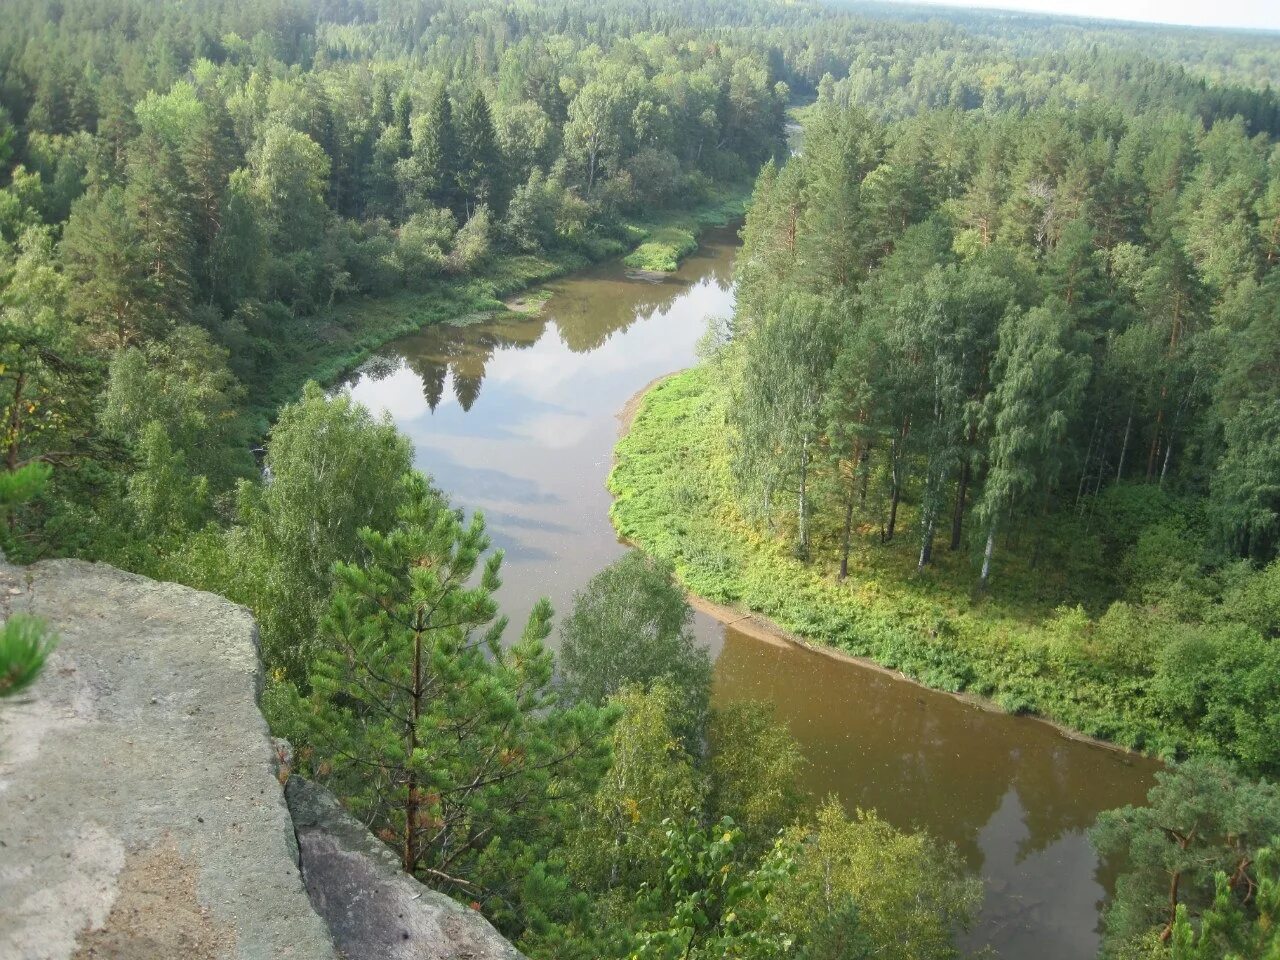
[(518, 417)]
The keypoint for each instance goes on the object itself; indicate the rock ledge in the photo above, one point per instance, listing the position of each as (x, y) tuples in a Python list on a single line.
[(141, 811), (374, 909), (140, 815)]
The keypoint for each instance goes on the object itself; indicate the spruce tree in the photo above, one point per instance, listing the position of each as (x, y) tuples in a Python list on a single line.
[(435, 149), (478, 173)]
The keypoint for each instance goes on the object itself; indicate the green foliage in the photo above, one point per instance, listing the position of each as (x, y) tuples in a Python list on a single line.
[(617, 845), (714, 904), (183, 388), (754, 767), (1040, 382), (1202, 819), (22, 485), (663, 251), (631, 625), (787, 355), (332, 471), (111, 288), (1222, 681), (842, 888), (1225, 931), (25, 645), (471, 243), (910, 895), (451, 745)]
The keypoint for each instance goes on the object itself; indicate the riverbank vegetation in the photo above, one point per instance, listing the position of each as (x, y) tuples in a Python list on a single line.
[(996, 407), (283, 194), (980, 281)]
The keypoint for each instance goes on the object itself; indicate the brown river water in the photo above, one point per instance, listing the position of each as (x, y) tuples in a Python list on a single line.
[(518, 417)]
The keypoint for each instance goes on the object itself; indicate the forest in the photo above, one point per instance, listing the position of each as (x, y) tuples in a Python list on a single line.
[(998, 407)]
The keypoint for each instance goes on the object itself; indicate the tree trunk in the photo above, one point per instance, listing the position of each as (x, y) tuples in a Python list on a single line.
[(409, 854), (15, 422), (986, 556), (1155, 444), (1124, 447), (926, 544), (1174, 882), (15, 438), (957, 515), (893, 505), (1038, 547), (1088, 456), (1097, 486), (865, 475), (844, 543), (802, 547)]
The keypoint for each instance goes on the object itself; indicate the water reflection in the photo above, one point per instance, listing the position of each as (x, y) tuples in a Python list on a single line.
[(1014, 796), (584, 313), (517, 417)]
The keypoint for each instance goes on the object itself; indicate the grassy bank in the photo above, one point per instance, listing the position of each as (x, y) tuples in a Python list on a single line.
[(675, 499), (337, 340)]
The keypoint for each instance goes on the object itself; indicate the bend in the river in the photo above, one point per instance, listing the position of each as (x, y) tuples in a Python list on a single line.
[(517, 417)]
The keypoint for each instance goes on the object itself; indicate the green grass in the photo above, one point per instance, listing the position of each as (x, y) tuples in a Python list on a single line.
[(663, 251), (675, 498), (664, 240)]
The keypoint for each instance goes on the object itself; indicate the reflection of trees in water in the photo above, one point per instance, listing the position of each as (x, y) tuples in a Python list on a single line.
[(378, 367), (433, 376), (466, 387), (461, 354), (925, 759), (586, 312), (720, 272), (589, 311), (1064, 786)]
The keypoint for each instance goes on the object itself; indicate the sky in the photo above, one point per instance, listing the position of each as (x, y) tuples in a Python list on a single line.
[(1258, 14)]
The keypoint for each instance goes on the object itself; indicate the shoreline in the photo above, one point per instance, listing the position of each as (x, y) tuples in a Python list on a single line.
[(332, 368), (761, 628)]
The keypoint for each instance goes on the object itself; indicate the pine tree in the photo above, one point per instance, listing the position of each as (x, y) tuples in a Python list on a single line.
[(208, 156), (111, 286), (25, 645), (450, 744), (160, 205)]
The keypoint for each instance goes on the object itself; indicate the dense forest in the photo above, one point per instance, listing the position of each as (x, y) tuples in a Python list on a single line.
[(998, 406)]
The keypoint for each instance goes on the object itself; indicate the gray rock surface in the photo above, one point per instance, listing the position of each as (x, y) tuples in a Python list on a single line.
[(375, 910), (140, 815)]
